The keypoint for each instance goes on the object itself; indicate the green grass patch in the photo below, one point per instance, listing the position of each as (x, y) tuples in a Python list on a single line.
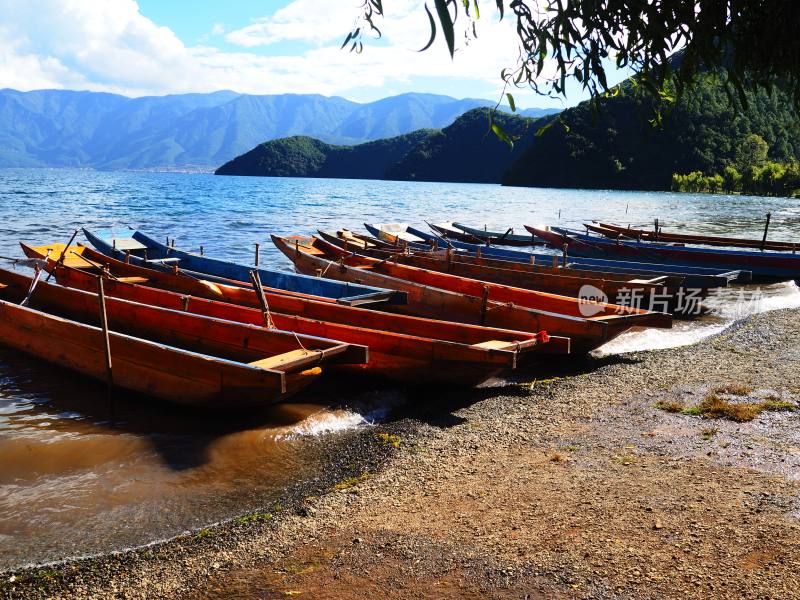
[(258, 517), (733, 389), (715, 407), (670, 406), (346, 484), (388, 439)]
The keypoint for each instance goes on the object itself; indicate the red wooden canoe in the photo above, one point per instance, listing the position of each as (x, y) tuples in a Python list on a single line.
[(408, 349), (764, 266), (523, 275), (449, 297), (216, 288), (184, 359), (615, 231)]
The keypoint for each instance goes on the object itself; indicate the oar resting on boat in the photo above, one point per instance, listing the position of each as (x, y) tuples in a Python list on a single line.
[(448, 297), (412, 350), (162, 353)]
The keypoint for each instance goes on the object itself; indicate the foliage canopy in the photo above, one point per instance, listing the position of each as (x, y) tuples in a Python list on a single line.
[(754, 42)]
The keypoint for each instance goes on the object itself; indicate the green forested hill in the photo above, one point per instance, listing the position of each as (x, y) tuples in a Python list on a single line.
[(465, 151), (618, 148), (302, 156)]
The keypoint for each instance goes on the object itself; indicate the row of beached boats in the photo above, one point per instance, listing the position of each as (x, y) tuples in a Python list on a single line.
[(448, 307)]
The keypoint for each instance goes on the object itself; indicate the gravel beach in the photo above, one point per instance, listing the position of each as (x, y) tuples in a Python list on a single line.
[(621, 477)]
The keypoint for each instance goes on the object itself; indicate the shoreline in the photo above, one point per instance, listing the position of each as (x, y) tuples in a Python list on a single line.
[(574, 486)]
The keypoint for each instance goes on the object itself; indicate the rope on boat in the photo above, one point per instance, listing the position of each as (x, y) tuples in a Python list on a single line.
[(35, 281), (25, 262)]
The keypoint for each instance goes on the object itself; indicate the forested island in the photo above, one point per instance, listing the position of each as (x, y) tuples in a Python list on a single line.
[(702, 142), (465, 151)]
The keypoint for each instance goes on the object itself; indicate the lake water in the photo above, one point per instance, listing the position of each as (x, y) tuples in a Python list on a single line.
[(77, 477)]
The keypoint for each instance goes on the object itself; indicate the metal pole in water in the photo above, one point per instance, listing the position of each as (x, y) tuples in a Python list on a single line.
[(201, 250), (258, 246), (766, 229)]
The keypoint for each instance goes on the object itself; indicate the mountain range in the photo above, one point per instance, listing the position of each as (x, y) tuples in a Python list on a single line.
[(59, 128), (615, 145)]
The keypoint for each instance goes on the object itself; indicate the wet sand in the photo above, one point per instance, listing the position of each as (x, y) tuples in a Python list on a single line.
[(579, 486)]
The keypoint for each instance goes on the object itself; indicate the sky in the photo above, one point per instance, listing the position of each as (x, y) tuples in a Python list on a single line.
[(156, 47)]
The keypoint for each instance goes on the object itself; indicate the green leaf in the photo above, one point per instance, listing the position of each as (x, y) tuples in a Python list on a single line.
[(477, 10), (447, 25), (500, 133), (433, 29), (511, 102), (542, 130)]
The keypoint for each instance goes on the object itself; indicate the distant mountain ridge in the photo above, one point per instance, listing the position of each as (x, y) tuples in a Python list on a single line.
[(62, 128), (616, 147), (465, 151)]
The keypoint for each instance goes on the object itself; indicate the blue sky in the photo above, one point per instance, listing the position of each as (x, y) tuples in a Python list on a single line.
[(154, 47)]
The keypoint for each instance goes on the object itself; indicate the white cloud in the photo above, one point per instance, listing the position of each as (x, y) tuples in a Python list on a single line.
[(315, 21), (108, 45)]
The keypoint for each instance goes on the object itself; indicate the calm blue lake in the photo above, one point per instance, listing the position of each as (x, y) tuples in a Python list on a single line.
[(230, 214), (79, 477)]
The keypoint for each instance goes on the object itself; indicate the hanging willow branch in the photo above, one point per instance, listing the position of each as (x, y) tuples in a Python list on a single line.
[(667, 44)]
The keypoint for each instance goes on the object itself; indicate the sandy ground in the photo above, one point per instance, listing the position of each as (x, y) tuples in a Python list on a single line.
[(581, 486)]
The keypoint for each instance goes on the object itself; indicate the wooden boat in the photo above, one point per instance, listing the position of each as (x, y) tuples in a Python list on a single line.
[(451, 231), (500, 238), (661, 293), (395, 232), (765, 266), (83, 257), (694, 276), (184, 359), (449, 297), (615, 232), (412, 350), (143, 250)]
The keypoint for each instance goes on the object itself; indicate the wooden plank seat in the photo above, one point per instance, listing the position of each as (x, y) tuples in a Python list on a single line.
[(164, 261), (285, 360), (133, 279), (128, 244), (495, 345)]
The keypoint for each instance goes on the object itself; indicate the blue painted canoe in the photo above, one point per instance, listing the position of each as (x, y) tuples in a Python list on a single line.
[(765, 266), (500, 238), (694, 276), (140, 248)]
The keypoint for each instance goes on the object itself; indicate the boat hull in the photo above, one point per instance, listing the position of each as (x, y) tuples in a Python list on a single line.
[(453, 301), (400, 348), (764, 266), (143, 366), (157, 253)]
